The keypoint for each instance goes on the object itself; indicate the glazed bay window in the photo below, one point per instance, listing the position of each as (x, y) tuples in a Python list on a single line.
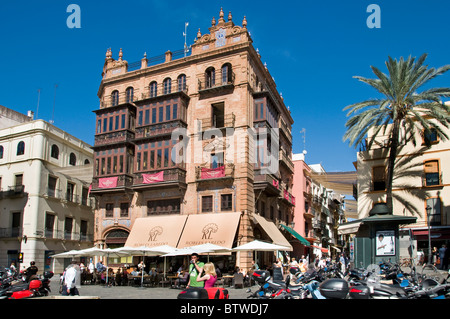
[(154, 156)]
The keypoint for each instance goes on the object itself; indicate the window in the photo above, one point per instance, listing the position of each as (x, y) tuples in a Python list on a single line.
[(433, 207), (216, 160), (226, 202), (181, 81), (227, 74), (210, 77), (167, 86), (16, 224), (52, 186), (49, 225), (83, 230), (430, 137), (18, 180), (109, 210), (1, 151), (124, 209), (70, 192), (431, 170), (68, 225), (218, 115), (175, 111), (129, 94), (166, 206), (115, 98), (84, 196), (72, 159), (21, 148), (153, 89), (207, 204), (55, 151), (379, 178)]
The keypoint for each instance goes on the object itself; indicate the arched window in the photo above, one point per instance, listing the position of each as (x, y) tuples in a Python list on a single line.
[(181, 81), (21, 148), (1, 151), (153, 89), (167, 85), (130, 94), (227, 74), (210, 77), (115, 98), (72, 159), (55, 151), (86, 162)]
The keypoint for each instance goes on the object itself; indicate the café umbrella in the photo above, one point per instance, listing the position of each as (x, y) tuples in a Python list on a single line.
[(258, 245)]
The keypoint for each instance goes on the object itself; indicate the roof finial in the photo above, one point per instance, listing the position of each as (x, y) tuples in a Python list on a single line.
[(244, 22), (213, 22), (120, 54), (199, 34), (221, 19), (230, 17)]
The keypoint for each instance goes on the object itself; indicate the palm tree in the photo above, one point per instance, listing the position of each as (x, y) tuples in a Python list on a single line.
[(400, 107)]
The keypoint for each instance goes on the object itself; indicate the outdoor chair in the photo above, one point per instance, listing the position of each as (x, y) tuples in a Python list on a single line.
[(238, 280)]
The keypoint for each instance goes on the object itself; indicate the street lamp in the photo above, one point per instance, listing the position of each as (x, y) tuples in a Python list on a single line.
[(429, 234)]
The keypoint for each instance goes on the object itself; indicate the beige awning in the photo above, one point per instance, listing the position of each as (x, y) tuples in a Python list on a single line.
[(219, 229), (156, 231), (272, 231), (348, 228)]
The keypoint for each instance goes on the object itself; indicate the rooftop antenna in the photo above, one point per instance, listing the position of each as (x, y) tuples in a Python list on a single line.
[(303, 131), (39, 97), (186, 48), (54, 99)]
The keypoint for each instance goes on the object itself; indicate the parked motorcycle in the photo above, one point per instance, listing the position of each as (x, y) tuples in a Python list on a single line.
[(35, 288)]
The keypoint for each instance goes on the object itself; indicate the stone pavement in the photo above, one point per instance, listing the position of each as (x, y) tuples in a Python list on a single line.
[(131, 292)]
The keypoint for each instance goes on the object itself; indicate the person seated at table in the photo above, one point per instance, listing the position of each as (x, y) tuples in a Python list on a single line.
[(118, 277), (210, 275), (183, 278)]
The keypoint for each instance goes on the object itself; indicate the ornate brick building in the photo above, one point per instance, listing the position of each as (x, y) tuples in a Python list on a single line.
[(174, 139)]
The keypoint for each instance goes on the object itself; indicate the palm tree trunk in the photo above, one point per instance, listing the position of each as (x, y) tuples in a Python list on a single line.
[(393, 149)]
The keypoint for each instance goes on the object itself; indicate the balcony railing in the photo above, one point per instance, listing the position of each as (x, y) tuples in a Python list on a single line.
[(113, 138), (13, 191), (213, 122), (113, 182), (157, 178), (284, 158), (10, 232), (158, 129), (64, 235), (216, 82), (204, 173)]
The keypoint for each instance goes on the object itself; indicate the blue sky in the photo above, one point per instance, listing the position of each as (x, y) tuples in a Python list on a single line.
[(312, 49)]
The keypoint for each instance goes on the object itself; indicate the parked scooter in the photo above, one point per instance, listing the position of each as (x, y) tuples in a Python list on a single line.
[(35, 288)]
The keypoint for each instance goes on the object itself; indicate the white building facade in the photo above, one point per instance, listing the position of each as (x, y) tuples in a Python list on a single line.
[(45, 206)]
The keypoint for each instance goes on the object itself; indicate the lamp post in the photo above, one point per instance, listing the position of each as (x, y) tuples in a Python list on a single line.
[(429, 234)]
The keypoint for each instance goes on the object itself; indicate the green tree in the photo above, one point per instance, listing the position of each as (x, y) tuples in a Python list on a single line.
[(401, 106)]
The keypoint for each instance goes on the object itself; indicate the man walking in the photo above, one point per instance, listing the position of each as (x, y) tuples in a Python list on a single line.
[(443, 256)]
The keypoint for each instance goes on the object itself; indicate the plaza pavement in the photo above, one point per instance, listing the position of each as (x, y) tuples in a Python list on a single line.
[(132, 292)]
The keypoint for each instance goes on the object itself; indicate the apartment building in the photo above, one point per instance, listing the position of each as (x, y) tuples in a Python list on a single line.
[(421, 186), (188, 135), (45, 175)]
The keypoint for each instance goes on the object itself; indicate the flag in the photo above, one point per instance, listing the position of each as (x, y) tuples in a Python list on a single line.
[(153, 178), (108, 182)]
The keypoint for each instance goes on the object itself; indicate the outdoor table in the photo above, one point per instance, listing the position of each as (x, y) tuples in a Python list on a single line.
[(171, 278)]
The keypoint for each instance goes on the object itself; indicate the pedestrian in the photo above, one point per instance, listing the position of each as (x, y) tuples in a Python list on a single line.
[(293, 266), (70, 278), (442, 256), (195, 270), (100, 267), (279, 264), (255, 266), (210, 276), (434, 254), (91, 267), (31, 272)]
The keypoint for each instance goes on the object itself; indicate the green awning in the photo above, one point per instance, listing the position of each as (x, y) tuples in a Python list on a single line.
[(296, 235)]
